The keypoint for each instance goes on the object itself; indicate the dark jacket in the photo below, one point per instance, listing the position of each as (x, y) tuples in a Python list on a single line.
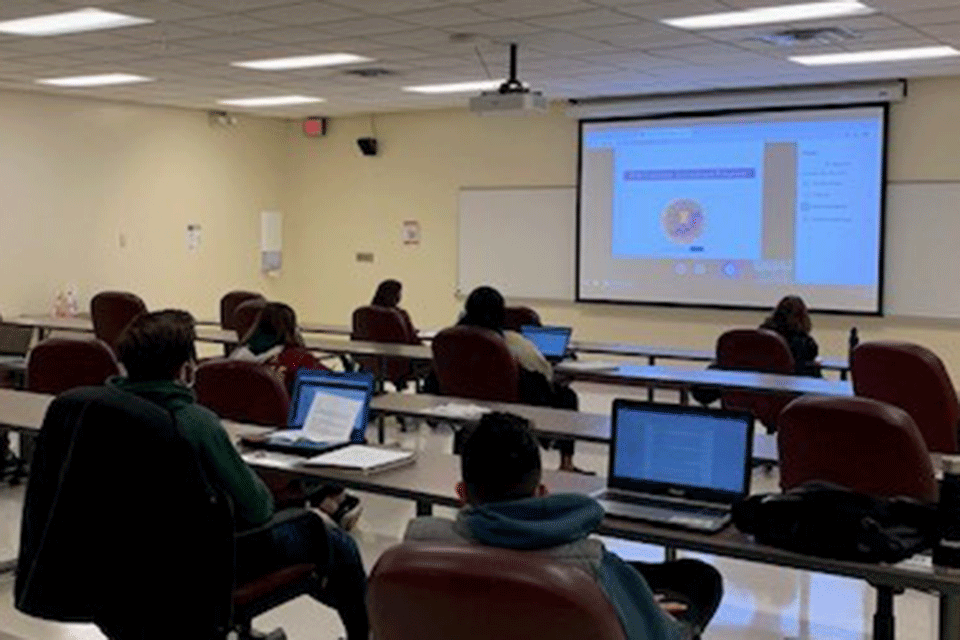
[(119, 524), (559, 524), (252, 501)]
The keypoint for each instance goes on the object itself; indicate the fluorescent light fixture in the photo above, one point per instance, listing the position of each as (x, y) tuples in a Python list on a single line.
[(770, 15), (456, 87), (102, 80), (303, 62), (270, 101), (56, 24), (882, 55)]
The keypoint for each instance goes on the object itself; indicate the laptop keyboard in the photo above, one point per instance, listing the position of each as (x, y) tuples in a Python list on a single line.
[(665, 511)]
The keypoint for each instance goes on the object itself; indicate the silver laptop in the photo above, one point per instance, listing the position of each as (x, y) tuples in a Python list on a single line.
[(677, 465)]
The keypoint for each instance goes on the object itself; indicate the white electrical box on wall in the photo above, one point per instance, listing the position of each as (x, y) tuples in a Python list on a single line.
[(271, 241)]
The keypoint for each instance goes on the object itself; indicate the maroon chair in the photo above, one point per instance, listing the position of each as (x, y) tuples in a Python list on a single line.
[(866, 445), (755, 350), (819, 437), (230, 301), (242, 392), (475, 363), (913, 378), (515, 317), (251, 393), (55, 365), (112, 311), (245, 316), (384, 324), (472, 592)]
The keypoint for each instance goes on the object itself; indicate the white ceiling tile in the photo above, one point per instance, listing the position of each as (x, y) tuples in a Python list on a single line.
[(290, 35), (230, 23), (366, 26), (161, 9), (445, 17), (582, 20), (305, 13), (532, 8)]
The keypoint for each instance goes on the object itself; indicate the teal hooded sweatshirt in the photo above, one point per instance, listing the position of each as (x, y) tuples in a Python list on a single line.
[(561, 521), (252, 501)]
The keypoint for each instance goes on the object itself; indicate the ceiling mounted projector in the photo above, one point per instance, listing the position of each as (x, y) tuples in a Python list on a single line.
[(511, 98)]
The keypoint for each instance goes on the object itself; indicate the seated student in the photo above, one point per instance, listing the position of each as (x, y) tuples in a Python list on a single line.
[(157, 350), (792, 321), (388, 295), (485, 308), (274, 340), (506, 506)]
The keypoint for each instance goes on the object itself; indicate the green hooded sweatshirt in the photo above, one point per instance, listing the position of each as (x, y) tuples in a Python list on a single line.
[(252, 502)]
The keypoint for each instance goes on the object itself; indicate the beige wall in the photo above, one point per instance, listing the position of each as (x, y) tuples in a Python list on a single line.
[(339, 203), (76, 174)]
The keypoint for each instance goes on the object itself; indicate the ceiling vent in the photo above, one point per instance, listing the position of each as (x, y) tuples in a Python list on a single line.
[(370, 72), (795, 37)]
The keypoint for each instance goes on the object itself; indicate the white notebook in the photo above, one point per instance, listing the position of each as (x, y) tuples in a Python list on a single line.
[(362, 458)]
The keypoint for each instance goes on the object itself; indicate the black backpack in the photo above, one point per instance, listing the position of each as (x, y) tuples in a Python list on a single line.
[(830, 521)]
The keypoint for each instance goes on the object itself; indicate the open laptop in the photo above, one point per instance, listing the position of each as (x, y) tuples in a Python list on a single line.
[(553, 342), (315, 386), (677, 465)]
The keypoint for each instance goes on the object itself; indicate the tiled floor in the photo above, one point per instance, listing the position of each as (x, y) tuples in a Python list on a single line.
[(760, 602)]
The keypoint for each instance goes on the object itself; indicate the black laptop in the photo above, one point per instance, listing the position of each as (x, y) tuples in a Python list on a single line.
[(677, 465), (315, 386), (553, 342)]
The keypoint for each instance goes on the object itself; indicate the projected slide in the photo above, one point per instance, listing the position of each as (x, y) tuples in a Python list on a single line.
[(734, 210)]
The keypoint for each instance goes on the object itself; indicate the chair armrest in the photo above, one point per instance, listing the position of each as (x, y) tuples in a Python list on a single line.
[(278, 518)]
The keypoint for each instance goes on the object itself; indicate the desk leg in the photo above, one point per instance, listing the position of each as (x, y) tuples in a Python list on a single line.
[(424, 508), (949, 616), (669, 554), (381, 431), (883, 621), (844, 373), (652, 361), (684, 396), (378, 390)]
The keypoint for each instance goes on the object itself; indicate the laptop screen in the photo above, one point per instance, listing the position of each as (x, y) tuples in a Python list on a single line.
[(551, 341), (679, 450), (309, 383)]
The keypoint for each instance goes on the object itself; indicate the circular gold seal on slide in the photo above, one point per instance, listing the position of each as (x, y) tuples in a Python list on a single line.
[(683, 220)]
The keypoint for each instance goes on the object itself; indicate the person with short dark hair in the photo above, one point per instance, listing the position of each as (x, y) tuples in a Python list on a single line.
[(157, 350), (791, 320), (505, 505), (485, 308)]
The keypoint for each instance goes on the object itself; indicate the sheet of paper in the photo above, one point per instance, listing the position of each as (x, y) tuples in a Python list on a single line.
[(586, 365), (272, 459), (331, 418), (458, 410), (360, 456)]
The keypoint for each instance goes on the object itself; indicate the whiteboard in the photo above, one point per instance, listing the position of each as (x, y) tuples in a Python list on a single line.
[(922, 250), (519, 240)]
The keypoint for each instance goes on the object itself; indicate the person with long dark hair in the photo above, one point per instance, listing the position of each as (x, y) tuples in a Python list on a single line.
[(791, 320), (389, 294)]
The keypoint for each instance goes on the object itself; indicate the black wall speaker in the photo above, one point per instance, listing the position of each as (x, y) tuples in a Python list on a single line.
[(368, 146)]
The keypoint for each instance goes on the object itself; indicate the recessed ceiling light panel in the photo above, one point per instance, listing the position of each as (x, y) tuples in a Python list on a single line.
[(270, 101), (456, 87), (101, 80), (882, 55), (772, 15), (56, 24), (302, 62)]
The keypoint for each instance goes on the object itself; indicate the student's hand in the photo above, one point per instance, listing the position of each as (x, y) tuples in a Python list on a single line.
[(672, 607)]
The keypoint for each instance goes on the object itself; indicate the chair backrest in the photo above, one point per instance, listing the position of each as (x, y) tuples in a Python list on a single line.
[(475, 363), (866, 445), (245, 315), (112, 311), (516, 317), (230, 301), (755, 350), (913, 378), (242, 391), (472, 592), (92, 547), (58, 364), (382, 324)]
